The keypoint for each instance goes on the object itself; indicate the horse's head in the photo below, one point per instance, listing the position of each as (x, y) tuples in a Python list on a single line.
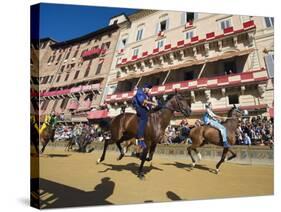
[(236, 112), (180, 104)]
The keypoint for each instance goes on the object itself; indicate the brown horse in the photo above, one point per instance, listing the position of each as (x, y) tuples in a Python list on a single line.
[(124, 127), (47, 135), (34, 137), (207, 134)]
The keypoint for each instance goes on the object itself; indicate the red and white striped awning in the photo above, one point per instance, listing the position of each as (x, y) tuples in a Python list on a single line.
[(97, 114), (209, 83)]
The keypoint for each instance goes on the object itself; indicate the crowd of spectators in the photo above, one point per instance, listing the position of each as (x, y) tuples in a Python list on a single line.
[(67, 131), (251, 131)]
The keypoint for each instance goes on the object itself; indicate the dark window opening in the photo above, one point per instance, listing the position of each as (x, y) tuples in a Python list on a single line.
[(76, 52), (66, 77), (67, 55), (99, 68), (58, 78), (189, 17), (76, 75), (269, 21), (189, 75), (233, 99), (89, 96), (64, 103), (45, 104), (230, 67), (115, 22), (87, 72), (59, 58), (163, 25), (128, 86)]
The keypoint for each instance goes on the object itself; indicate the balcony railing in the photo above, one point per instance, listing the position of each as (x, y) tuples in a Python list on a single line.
[(250, 76), (81, 88), (183, 43), (93, 52), (97, 114)]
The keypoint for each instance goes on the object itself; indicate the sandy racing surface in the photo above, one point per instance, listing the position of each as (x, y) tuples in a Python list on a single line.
[(74, 179)]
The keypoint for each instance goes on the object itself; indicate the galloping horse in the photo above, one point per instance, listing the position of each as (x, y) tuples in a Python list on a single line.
[(47, 135), (124, 127), (207, 134)]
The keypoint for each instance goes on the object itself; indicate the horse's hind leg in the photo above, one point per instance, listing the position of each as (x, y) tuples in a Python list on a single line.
[(233, 155), (120, 149), (197, 153), (104, 151), (44, 146), (225, 150), (191, 156)]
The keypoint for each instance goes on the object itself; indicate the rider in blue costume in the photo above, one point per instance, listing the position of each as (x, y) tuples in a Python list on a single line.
[(212, 119), (142, 104)]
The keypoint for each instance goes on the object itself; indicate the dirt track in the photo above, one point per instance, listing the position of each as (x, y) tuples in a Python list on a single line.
[(73, 179)]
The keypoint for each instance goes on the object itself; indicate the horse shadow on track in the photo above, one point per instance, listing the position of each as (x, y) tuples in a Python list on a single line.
[(188, 167), (173, 196), (55, 195), (132, 167), (56, 155)]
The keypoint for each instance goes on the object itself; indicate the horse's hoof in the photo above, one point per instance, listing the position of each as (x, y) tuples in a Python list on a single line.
[(141, 176), (217, 171), (98, 161), (193, 165), (120, 157)]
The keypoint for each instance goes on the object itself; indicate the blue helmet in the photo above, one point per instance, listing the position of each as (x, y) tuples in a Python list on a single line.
[(147, 85)]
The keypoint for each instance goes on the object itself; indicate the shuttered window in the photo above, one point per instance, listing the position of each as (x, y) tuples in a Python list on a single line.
[(269, 61)]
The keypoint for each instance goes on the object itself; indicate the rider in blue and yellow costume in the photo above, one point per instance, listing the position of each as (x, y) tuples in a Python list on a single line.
[(142, 104)]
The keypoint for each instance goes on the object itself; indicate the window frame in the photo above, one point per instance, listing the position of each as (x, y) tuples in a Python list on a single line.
[(271, 22), (223, 21)]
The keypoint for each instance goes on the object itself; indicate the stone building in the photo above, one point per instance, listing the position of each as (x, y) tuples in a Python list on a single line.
[(223, 59)]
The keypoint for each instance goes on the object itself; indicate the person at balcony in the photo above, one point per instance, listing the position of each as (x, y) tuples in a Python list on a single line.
[(210, 118), (142, 104)]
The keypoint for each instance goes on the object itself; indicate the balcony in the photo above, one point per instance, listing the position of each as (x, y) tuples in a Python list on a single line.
[(177, 51), (93, 53), (248, 77), (73, 104), (85, 104), (77, 89), (97, 114)]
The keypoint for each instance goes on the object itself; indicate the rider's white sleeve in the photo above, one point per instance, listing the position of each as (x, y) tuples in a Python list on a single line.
[(211, 113)]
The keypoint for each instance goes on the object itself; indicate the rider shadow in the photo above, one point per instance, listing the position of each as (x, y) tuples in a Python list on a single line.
[(56, 195), (132, 167)]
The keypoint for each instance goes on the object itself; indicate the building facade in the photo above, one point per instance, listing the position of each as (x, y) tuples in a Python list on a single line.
[(223, 59), (72, 74)]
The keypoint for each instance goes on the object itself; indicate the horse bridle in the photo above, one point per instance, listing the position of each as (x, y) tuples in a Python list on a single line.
[(179, 106)]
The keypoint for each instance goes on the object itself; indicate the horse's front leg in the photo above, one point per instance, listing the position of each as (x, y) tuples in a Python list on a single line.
[(106, 143), (233, 155), (120, 149), (225, 150), (151, 152), (143, 159)]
